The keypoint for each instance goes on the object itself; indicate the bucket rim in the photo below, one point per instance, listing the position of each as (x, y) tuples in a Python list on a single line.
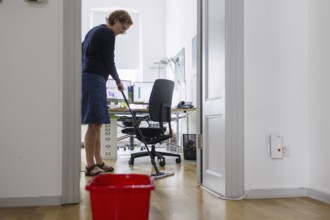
[(90, 186)]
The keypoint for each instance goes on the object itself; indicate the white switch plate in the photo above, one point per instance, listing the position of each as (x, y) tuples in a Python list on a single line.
[(276, 146)]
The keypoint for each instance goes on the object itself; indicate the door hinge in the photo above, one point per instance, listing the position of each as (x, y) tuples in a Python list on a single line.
[(199, 141)]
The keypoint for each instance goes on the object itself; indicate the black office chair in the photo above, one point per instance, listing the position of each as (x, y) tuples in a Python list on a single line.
[(159, 111)]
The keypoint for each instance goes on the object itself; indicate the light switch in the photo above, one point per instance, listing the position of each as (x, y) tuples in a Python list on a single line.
[(276, 146)]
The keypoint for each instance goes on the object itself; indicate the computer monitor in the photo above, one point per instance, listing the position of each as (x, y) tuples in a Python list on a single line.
[(141, 92), (113, 94)]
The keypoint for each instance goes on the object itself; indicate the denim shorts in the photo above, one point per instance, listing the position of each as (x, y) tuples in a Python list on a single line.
[(94, 106)]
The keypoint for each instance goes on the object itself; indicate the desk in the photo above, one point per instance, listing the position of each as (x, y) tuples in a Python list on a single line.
[(109, 138), (178, 112), (115, 111)]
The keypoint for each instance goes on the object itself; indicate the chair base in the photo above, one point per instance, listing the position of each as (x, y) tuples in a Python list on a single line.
[(154, 154), (131, 145)]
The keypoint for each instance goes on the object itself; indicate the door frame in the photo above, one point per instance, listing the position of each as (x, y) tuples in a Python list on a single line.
[(71, 120), (71, 127)]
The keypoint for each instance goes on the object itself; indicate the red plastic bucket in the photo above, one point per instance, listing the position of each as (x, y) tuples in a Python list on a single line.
[(120, 196)]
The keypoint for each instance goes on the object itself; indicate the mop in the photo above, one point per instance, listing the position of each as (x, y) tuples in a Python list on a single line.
[(157, 174)]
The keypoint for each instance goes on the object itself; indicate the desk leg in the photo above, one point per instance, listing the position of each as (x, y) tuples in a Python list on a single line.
[(177, 140), (177, 129)]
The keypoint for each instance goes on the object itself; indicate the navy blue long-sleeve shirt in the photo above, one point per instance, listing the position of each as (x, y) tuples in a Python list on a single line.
[(98, 52)]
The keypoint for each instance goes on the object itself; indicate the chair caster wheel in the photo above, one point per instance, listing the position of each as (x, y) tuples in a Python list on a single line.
[(162, 163), (131, 162), (178, 160)]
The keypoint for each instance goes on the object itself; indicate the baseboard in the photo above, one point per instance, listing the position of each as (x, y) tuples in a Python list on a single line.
[(30, 201), (251, 194), (287, 193), (276, 193), (318, 195)]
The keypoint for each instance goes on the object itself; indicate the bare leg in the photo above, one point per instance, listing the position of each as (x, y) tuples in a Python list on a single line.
[(97, 154), (97, 149), (91, 138)]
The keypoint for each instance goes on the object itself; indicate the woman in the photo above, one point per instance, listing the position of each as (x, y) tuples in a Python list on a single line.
[(97, 64)]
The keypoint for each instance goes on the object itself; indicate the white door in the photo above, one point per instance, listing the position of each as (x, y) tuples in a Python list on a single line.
[(222, 96), (213, 95)]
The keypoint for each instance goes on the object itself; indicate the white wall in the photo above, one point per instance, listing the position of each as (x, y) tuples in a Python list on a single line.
[(276, 92), (181, 28), (152, 14), (30, 97), (319, 83)]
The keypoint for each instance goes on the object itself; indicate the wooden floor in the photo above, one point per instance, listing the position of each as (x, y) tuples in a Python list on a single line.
[(179, 198)]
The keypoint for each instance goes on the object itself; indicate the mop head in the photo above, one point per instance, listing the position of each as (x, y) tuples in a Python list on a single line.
[(161, 175)]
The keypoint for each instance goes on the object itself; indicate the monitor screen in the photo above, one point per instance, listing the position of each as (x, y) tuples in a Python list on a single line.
[(141, 92), (114, 94)]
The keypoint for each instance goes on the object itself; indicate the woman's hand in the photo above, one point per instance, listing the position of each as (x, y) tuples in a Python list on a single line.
[(120, 87)]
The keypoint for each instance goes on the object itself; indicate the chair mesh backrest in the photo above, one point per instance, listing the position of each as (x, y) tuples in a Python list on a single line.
[(162, 92)]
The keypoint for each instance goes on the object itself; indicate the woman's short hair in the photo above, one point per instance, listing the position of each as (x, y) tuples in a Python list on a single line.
[(119, 15)]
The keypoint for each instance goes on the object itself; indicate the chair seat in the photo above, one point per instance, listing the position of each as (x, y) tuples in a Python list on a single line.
[(147, 132), (128, 121), (150, 135)]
